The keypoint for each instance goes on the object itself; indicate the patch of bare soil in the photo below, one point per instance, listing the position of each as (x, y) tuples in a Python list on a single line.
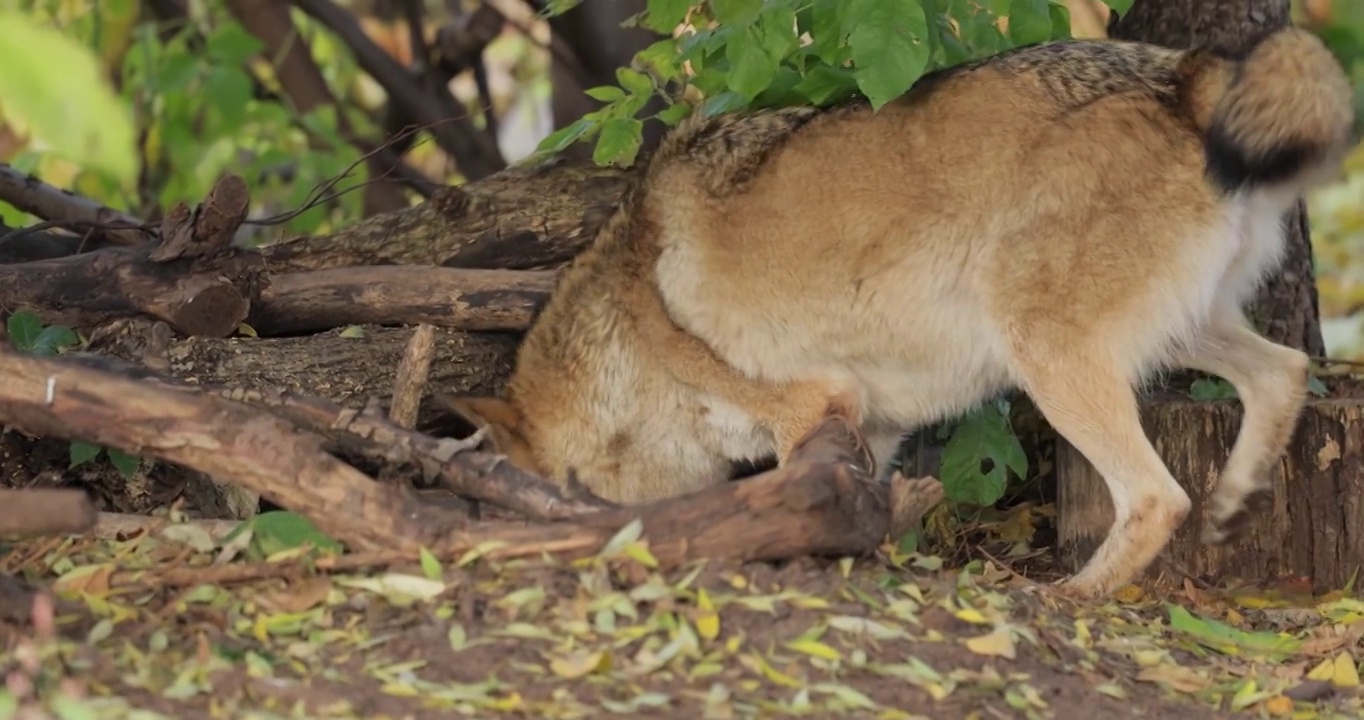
[(608, 637)]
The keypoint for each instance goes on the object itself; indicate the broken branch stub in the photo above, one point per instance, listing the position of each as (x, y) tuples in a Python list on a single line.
[(193, 280)]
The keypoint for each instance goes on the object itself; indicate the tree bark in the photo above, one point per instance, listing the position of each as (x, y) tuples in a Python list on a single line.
[(452, 298), (1314, 529), (523, 218), (1286, 309), (344, 367)]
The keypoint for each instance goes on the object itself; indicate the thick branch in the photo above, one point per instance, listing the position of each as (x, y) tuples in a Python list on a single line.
[(91, 288), (44, 510), (473, 474), (227, 440), (344, 367), (521, 218), (396, 294), (820, 503)]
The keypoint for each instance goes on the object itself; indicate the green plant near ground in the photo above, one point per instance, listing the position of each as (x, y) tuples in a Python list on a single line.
[(743, 54), (27, 334)]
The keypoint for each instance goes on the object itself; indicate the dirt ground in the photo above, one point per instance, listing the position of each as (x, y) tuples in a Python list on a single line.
[(889, 636)]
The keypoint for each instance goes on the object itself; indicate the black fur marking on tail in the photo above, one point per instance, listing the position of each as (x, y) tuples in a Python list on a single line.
[(1232, 168)]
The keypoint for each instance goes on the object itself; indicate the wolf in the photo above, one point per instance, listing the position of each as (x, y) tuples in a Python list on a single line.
[(1063, 219)]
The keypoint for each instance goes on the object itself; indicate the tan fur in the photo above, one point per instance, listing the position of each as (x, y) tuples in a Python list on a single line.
[(1047, 219)]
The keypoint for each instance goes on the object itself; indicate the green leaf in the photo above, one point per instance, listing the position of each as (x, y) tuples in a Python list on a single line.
[(1317, 387), (777, 31), (24, 327), (1060, 21), (781, 92), (283, 530), (665, 15), (231, 45), (673, 114), (1212, 389), (825, 84), (982, 436), (605, 93), (560, 139), (1120, 6), (123, 462), (724, 102), (619, 142), (889, 47), (635, 82), (1226, 639), (52, 87), (827, 32), (230, 90), (82, 452), (752, 68), (430, 565), (1029, 21), (54, 338), (662, 59), (736, 12)]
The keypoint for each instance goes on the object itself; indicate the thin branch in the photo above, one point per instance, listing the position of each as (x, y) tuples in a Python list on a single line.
[(61, 208)]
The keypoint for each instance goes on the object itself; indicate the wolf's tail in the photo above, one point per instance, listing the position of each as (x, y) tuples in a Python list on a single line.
[(1274, 116)]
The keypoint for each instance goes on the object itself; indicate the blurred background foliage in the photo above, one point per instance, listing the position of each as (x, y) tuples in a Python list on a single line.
[(1336, 212)]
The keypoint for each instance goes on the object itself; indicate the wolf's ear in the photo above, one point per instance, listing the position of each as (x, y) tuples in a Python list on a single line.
[(483, 411), (502, 420)]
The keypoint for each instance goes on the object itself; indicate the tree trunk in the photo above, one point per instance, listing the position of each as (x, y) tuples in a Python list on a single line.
[(1315, 525), (1286, 308)]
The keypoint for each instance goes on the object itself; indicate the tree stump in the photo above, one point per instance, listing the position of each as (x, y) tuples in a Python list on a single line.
[(1315, 530)]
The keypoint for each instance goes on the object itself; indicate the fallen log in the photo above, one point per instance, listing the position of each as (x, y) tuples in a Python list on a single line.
[(227, 440), (192, 279), (1314, 528), (522, 218), (346, 366), (821, 502), (455, 298)]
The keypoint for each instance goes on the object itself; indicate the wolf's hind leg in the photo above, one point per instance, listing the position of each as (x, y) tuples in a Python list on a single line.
[(1271, 381), (1086, 396)]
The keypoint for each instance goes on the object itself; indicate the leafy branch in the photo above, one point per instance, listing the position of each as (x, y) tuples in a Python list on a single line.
[(744, 54)]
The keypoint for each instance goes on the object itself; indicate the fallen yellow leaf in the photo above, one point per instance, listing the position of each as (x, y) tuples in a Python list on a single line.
[(580, 664), (1278, 705), (1180, 678), (998, 643), (815, 648), (1339, 671), (707, 620), (1129, 594)]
